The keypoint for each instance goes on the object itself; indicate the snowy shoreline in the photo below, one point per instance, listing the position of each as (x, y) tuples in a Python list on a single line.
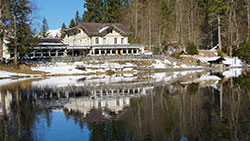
[(127, 66), (188, 76), (70, 70)]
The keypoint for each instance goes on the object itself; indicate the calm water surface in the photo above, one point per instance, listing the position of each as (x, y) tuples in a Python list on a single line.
[(161, 106)]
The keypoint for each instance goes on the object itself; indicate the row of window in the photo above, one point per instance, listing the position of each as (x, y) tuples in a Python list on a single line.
[(105, 41)]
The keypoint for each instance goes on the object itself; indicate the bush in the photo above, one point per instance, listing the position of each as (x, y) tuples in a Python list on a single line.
[(243, 51), (191, 48), (220, 54), (193, 88), (157, 50)]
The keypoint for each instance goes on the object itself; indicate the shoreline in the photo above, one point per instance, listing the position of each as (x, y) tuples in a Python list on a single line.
[(140, 71)]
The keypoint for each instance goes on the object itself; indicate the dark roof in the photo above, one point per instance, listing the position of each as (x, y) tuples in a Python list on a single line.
[(50, 40), (217, 61), (94, 28)]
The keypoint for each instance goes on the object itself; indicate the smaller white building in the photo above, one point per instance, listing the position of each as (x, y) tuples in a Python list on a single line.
[(6, 53)]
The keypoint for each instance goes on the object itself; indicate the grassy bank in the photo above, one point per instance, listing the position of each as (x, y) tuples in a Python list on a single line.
[(25, 69)]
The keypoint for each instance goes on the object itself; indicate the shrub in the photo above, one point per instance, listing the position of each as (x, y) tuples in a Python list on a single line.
[(191, 48), (193, 88), (157, 50), (220, 54), (243, 51)]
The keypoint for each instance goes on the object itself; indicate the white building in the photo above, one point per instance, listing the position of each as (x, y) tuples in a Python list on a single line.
[(88, 34), (6, 54), (102, 39), (94, 39)]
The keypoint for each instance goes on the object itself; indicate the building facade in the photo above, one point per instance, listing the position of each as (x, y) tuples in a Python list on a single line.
[(6, 54), (102, 39), (86, 39), (88, 34)]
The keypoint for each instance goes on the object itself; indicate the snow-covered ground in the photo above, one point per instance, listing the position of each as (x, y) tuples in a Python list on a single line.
[(104, 66), (212, 80), (10, 81), (232, 62), (95, 80), (58, 68), (100, 66), (5, 74)]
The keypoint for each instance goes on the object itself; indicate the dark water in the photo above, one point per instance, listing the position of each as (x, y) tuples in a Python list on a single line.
[(137, 108)]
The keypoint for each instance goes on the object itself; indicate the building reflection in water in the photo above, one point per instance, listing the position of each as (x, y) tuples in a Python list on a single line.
[(193, 110)]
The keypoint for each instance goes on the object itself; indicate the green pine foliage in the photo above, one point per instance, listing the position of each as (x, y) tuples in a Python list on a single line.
[(77, 18), (45, 28), (112, 10), (72, 23), (243, 51), (94, 11), (191, 48), (62, 31), (166, 17), (193, 88), (220, 54), (212, 10), (157, 50), (19, 23), (105, 11)]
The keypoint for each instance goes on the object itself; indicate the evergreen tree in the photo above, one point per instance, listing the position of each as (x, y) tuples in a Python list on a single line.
[(62, 31), (77, 18), (82, 17), (112, 10), (206, 28), (20, 27), (72, 23), (217, 12), (214, 20), (166, 18), (94, 11), (44, 30)]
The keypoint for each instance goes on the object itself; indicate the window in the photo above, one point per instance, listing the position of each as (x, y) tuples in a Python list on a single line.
[(104, 41), (115, 41), (109, 31), (122, 40), (97, 41)]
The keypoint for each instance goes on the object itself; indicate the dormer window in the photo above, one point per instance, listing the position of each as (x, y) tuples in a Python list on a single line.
[(115, 41), (109, 31)]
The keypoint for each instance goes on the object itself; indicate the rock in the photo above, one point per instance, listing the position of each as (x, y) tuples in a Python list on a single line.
[(174, 49)]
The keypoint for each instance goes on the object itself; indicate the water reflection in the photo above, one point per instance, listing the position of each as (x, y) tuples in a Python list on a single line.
[(207, 106)]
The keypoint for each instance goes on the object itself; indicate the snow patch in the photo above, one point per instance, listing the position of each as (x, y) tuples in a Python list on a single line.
[(54, 33)]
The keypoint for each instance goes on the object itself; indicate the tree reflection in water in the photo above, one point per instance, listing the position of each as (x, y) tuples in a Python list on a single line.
[(171, 112)]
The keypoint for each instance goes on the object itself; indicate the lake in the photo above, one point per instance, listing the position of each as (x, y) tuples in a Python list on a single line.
[(188, 105)]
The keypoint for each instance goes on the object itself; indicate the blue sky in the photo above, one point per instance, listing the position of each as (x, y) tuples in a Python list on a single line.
[(57, 11)]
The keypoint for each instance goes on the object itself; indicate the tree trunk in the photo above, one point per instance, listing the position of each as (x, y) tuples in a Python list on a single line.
[(1, 33), (15, 41), (136, 19), (237, 27), (1, 46), (230, 28), (248, 18), (3, 105), (219, 34), (150, 27)]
